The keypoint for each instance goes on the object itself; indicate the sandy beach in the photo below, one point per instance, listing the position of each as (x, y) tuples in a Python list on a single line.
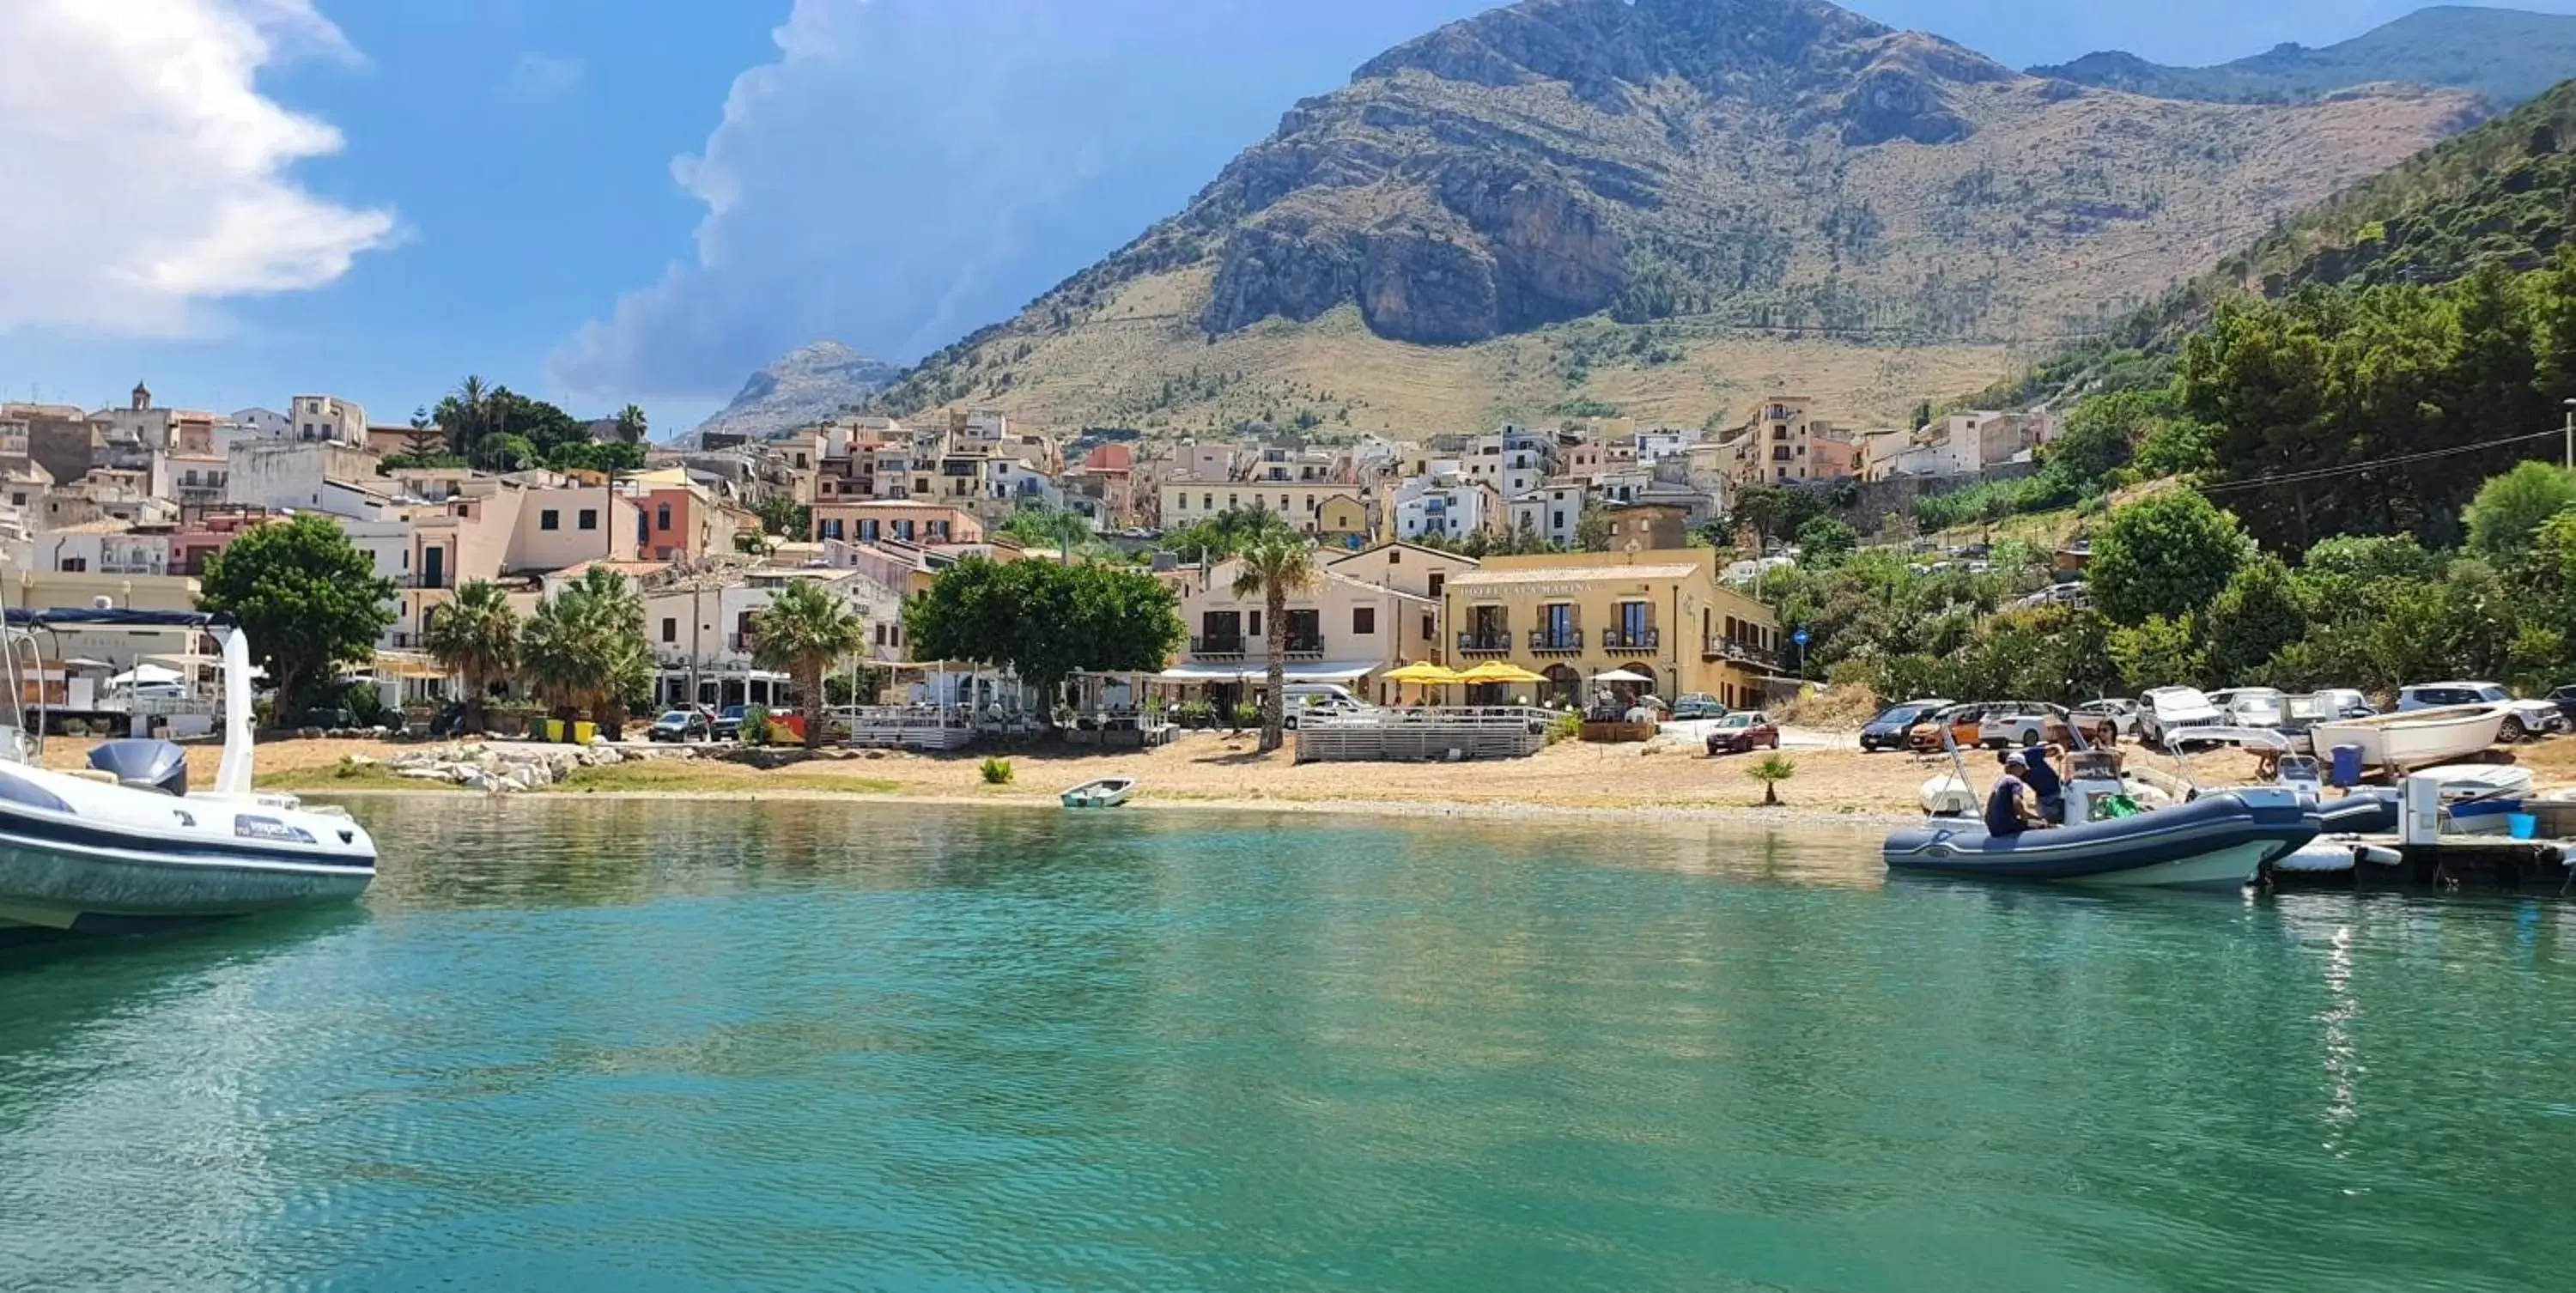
[(1218, 770)]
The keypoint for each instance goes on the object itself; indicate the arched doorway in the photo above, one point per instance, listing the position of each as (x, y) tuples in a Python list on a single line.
[(1564, 688)]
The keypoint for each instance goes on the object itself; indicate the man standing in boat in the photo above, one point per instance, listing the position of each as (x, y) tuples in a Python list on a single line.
[(2009, 810), (2045, 785)]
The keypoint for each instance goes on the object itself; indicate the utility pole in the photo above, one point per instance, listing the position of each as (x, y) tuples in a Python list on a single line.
[(2570, 434)]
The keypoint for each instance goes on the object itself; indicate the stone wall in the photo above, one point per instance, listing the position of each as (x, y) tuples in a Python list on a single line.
[(1880, 497)]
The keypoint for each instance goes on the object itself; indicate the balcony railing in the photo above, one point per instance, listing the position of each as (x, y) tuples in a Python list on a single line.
[(1216, 648), (1741, 651), (1310, 648), (1495, 643), (746, 643), (1566, 641), (1646, 639)]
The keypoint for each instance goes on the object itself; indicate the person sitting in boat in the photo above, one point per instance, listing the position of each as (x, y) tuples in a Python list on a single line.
[(2045, 785), (2008, 805)]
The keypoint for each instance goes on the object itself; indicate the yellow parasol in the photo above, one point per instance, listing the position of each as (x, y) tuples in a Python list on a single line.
[(1422, 674), (1499, 671)]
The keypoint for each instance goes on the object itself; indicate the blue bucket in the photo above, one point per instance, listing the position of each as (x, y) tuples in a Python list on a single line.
[(2522, 826)]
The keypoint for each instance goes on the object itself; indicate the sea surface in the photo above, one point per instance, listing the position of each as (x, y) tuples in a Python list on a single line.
[(573, 1045)]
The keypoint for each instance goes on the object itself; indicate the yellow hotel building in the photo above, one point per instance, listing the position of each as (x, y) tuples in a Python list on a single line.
[(1569, 616)]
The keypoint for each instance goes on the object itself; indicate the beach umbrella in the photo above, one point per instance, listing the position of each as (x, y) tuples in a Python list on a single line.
[(1423, 674), (1499, 671), (1621, 675)]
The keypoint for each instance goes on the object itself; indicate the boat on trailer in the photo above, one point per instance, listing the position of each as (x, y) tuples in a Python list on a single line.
[(1107, 792), (125, 845)]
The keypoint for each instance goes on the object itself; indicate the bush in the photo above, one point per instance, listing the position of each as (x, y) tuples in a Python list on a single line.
[(1247, 715), (997, 772), (755, 725), (1196, 713), (1565, 727)]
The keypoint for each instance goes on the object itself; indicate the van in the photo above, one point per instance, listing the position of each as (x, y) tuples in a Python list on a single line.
[(1298, 693)]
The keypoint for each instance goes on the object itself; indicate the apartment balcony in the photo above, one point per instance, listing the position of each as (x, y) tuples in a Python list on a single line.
[(1494, 643), (1217, 648), (1741, 652), (1545, 642), (1639, 641), (1304, 648)]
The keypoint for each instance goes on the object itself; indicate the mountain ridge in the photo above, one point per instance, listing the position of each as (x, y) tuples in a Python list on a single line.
[(812, 383), (1666, 207), (2508, 56)]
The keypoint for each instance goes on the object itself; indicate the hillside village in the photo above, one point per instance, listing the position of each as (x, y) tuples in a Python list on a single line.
[(128, 504)]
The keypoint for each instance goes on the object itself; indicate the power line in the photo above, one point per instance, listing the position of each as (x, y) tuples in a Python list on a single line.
[(2347, 469)]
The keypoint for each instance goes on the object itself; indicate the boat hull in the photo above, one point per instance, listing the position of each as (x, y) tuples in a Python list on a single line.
[(2414, 739), (55, 888), (2215, 843)]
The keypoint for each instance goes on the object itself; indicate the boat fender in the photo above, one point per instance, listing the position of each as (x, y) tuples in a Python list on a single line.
[(2378, 855)]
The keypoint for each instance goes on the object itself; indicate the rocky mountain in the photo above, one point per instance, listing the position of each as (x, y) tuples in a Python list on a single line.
[(806, 385), (2506, 55), (1662, 208)]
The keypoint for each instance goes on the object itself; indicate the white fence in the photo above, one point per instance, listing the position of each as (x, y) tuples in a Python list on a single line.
[(1399, 735)]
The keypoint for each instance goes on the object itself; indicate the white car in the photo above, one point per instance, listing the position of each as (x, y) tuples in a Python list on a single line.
[(2164, 710), (2122, 715), (2529, 717), (2252, 706)]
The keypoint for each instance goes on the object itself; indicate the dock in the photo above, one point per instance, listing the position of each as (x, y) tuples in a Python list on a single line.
[(2382, 862)]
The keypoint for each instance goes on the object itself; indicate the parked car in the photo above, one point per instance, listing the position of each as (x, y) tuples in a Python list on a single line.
[(2251, 706), (1889, 730), (2529, 717), (680, 725), (728, 724), (1958, 724), (2015, 723), (1742, 732), (1698, 704), (1318, 704), (2565, 699), (2349, 702), (2122, 715), (2168, 709)]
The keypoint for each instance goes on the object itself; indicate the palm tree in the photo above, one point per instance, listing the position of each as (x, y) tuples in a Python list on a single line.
[(476, 635), (472, 399), (804, 631), (1276, 568), (630, 424), (585, 649)]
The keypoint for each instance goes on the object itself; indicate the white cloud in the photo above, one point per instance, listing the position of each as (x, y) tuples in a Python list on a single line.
[(544, 76), (148, 177), (907, 170)]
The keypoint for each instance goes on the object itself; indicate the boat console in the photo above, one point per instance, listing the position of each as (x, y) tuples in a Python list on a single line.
[(144, 765)]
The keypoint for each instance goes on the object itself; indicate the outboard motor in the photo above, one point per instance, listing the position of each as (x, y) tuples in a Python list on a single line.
[(144, 765)]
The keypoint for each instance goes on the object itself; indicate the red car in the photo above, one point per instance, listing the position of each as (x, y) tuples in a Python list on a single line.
[(1743, 732)]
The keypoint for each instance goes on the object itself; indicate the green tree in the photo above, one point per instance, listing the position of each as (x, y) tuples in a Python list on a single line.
[(1772, 769), (2510, 509), (631, 426), (1275, 570), (424, 437), (2158, 652), (504, 453), (585, 648), (477, 635), (308, 598), (804, 632), (1040, 526), (785, 517), (1592, 529), (2167, 554), (2258, 613), (1226, 533), (1045, 620), (1825, 541)]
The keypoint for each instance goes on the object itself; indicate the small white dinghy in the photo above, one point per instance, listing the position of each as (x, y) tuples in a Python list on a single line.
[(1107, 792), (1948, 796)]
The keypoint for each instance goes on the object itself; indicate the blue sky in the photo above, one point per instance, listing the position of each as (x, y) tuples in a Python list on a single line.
[(604, 200)]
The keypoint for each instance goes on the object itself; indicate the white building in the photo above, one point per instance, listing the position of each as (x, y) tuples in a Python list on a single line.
[(1552, 512), (327, 417), (304, 476)]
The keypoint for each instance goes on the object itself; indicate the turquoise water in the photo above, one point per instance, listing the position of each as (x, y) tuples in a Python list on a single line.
[(621, 1046)]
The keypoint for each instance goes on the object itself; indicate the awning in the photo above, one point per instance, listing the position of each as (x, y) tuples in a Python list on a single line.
[(144, 673), (1207, 671)]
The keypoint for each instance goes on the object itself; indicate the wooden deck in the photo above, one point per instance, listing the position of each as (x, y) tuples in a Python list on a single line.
[(1415, 735)]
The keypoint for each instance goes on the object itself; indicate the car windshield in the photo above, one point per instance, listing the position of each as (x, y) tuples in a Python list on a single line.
[(675, 718), (1736, 720), (2494, 693)]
